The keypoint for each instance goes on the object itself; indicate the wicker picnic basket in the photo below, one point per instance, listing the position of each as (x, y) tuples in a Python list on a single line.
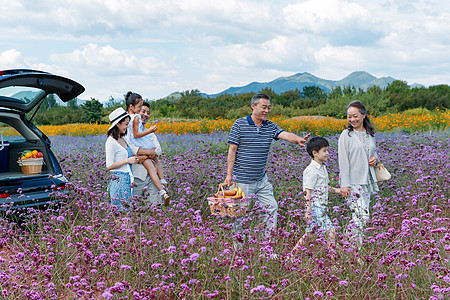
[(31, 165), (229, 205)]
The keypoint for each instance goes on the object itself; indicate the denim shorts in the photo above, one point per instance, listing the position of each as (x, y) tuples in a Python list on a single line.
[(320, 220), (120, 189)]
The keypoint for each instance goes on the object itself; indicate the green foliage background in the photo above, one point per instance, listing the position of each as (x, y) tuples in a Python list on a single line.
[(311, 100)]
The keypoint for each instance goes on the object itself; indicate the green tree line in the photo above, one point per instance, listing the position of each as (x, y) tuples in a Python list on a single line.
[(311, 100), (92, 111)]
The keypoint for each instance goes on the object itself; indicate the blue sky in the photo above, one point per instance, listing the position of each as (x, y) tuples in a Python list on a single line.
[(158, 47)]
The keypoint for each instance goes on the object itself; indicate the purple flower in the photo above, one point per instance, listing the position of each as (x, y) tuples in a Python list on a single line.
[(213, 295), (60, 218), (96, 244), (259, 288), (107, 294), (318, 294), (194, 256), (284, 282)]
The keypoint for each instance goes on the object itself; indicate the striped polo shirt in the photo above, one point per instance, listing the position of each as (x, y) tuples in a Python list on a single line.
[(253, 148)]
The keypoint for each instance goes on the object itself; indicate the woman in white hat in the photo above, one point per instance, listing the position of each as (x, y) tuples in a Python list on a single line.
[(119, 157)]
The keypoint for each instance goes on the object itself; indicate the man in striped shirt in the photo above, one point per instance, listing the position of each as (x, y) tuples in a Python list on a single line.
[(250, 139)]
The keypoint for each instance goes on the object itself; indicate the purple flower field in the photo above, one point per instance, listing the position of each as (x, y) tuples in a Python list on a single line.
[(86, 249)]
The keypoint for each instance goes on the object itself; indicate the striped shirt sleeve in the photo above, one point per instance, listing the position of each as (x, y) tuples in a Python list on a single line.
[(235, 134), (277, 130)]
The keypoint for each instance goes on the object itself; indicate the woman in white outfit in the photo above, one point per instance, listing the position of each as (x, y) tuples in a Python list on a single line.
[(119, 157), (357, 157)]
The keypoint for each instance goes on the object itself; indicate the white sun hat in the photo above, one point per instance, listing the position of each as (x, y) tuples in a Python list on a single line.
[(117, 115)]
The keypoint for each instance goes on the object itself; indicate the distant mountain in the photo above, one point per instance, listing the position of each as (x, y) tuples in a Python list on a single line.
[(417, 85), (280, 85), (61, 103), (32, 95), (356, 79), (24, 95), (172, 97)]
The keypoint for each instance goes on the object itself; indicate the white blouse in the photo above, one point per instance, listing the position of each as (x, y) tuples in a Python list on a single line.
[(353, 162), (116, 152)]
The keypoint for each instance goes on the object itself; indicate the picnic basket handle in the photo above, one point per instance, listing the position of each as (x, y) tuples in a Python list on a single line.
[(221, 185)]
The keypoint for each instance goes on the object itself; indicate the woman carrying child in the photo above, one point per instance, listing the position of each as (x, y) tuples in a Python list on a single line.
[(139, 137), (119, 157), (357, 157)]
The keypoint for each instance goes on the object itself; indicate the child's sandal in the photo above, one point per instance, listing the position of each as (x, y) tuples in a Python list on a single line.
[(165, 197)]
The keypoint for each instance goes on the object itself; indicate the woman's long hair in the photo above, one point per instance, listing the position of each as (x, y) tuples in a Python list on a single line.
[(366, 122)]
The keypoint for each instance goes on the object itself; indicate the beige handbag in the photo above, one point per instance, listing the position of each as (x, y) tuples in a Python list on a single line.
[(381, 173)]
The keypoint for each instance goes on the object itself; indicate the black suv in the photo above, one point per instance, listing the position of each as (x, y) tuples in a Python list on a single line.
[(21, 91)]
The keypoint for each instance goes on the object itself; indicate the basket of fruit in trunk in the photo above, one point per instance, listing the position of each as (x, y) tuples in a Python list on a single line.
[(229, 201), (31, 162)]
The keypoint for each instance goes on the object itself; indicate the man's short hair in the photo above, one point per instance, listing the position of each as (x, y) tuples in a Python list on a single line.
[(316, 143), (145, 103), (256, 97)]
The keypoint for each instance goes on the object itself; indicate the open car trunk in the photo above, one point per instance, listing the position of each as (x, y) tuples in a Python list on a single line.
[(18, 189), (20, 92)]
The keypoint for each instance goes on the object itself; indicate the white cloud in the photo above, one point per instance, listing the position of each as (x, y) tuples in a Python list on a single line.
[(340, 56), (159, 46), (335, 63), (322, 15), (10, 9), (13, 59), (109, 61), (281, 51), (10, 59), (232, 10)]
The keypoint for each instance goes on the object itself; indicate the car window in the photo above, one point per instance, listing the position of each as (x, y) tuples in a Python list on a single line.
[(10, 134), (22, 93)]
